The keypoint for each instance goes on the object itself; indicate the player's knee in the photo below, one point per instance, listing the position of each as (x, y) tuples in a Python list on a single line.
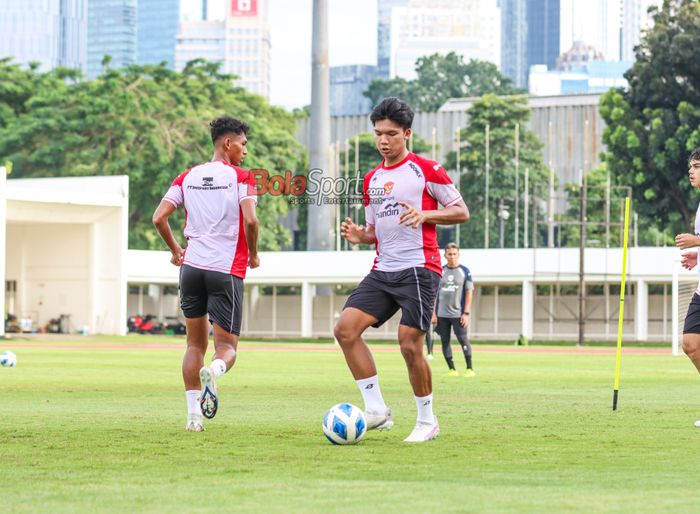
[(410, 352), (690, 345), (343, 332)]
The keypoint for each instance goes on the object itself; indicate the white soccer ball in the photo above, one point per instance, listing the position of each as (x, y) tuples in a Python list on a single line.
[(8, 359), (344, 424)]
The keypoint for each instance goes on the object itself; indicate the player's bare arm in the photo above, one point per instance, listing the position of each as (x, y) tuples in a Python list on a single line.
[(685, 241), (465, 316), (160, 220), (357, 234), (250, 227), (412, 217)]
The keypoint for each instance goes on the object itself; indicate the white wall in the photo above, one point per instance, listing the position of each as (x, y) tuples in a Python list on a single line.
[(50, 263)]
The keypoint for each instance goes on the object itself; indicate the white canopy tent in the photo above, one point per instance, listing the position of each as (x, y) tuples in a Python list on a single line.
[(63, 246)]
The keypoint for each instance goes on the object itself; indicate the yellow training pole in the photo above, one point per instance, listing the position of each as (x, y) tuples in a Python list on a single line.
[(622, 304)]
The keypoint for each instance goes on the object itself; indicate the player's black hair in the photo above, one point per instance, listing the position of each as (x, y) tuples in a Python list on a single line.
[(227, 125), (391, 108), (695, 155), (449, 246)]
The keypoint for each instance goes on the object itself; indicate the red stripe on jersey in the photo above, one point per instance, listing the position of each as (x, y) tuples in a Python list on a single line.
[(432, 170), (431, 250), (240, 260), (179, 179)]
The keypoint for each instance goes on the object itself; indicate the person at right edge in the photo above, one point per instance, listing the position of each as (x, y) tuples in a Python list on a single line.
[(453, 308), (691, 328)]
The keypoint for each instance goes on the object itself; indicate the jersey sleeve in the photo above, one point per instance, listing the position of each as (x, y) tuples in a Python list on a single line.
[(366, 201), (246, 187), (440, 186), (468, 280), (175, 195)]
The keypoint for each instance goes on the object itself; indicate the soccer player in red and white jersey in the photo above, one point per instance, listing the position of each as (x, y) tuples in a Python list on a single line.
[(691, 327), (221, 228), (401, 198)]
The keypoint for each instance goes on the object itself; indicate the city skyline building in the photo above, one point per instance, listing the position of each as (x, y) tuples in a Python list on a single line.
[(470, 28), (49, 32), (348, 83), (635, 20), (240, 42), (531, 32), (594, 22), (158, 24), (112, 30), (384, 8)]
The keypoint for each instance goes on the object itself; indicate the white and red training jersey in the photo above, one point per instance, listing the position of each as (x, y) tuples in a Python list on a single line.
[(421, 183), (212, 194)]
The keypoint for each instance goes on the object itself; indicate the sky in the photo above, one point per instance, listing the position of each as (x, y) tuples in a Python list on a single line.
[(352, 40)]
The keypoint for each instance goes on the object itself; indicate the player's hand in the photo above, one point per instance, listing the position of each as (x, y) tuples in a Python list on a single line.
[(464, 320), (685, 241), (176, 258), (411, 217), (689, 260), (434, 320), (353, 233), (253, 261)]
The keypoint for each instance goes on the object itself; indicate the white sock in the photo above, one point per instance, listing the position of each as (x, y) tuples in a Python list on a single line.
[(371, 394), (218, 366), (425, 408), (193, 402)]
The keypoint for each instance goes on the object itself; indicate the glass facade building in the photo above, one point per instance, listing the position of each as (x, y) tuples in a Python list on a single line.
[(348, 83), (49, 32), (158, 22), (530, 36), (111, 31)]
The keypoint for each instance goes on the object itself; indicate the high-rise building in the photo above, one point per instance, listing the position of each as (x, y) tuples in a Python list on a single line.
[(470, 28), (111, 31), (348, 83), (514, 31), (543, 32), (240, 42), (530, 36), (158, 23), (384, 8), (593, 22), (50, 32), (635, 20)]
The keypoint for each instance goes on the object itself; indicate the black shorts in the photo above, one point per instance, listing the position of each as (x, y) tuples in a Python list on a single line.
[(692, 319), (382, 293), (211, 292)]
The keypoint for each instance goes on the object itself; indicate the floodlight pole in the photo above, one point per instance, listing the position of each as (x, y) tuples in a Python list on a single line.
[(320, 226)]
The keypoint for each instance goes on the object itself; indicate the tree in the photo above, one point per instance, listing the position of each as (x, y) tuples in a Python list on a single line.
[(655, 124), (500, 114), (150, 123), (441, 77)]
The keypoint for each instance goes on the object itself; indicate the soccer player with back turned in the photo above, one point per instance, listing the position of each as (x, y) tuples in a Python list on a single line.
[(691, 328), (401, 198), (222, 232)]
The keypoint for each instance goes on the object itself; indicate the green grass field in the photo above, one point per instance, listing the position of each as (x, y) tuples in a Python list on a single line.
[(102, 431)]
